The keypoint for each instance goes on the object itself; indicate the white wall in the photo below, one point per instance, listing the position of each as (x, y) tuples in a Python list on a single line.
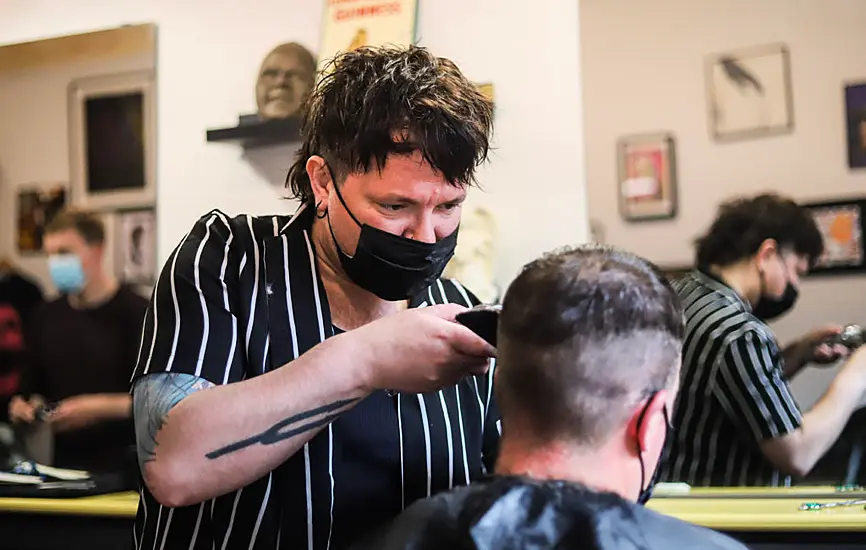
[(34, 144), (208, 55), (643, 71)]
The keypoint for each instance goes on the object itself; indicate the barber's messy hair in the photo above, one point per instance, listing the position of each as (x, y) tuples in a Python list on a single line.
[(585, 334), (374, 102), (744, 223)]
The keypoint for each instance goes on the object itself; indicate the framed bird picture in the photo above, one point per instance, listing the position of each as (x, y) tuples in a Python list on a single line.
[(749, 93)]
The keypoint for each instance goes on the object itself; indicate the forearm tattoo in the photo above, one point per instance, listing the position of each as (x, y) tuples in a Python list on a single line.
[(288, 427), (152, 398)]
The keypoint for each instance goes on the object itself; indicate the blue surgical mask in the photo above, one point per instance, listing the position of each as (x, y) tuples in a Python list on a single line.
[(66, 273)]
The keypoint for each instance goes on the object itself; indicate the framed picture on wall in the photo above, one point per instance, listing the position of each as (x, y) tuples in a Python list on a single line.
[(855, 117), (647, 183), (749, 93), (36, 207), (135, 246), (112, 140), (841, 223)]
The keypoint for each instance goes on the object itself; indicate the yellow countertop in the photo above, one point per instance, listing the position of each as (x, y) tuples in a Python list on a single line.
[(731, 509), (123, 505), (763, 514), (800, 491)]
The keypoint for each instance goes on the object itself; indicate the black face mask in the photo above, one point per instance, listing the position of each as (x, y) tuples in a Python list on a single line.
[(646, 491), (391, 266), (769, 308)]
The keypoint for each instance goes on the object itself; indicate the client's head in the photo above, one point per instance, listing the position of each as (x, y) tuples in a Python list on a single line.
[(589, 355)]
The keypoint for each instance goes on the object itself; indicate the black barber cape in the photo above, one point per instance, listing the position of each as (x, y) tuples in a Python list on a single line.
[(510, 513)]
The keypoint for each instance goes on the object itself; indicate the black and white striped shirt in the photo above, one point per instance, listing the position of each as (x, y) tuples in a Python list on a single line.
[(733, 394), (241, 296)]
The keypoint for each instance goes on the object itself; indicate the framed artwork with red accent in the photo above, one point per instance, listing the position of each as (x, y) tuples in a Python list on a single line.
[(647, 182)]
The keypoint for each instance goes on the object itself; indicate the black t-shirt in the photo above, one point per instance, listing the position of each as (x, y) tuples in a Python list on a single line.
[(85, 351), (19, 298), (511, 513)]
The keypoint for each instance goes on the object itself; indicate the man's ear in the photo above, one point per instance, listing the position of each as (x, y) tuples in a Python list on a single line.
[(648, 422), (320, 179), (766, 251)]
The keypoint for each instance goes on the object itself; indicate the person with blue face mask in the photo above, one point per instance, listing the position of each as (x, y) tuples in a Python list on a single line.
[(737, 422), (589, 342), (82, 349)]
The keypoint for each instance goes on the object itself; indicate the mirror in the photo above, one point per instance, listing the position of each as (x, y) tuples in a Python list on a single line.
[(79, 130)]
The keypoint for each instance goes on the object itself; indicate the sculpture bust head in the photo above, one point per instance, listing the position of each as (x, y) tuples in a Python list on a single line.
[(285, 79)]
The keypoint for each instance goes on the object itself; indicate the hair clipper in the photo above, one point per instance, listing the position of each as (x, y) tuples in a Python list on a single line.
[(483, 320), (851, 337)]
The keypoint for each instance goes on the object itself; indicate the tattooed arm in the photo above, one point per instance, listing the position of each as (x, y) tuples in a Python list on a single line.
[(197, 443), (197, 440), (155, 395)]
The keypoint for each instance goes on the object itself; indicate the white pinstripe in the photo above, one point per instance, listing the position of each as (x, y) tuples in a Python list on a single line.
[(265, 500), (205, 317)]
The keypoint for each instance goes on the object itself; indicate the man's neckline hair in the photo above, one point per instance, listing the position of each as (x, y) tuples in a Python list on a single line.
[(374, 102), (585, 334)]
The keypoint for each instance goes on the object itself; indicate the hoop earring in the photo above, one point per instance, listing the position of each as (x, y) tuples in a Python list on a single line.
[(323, 214)]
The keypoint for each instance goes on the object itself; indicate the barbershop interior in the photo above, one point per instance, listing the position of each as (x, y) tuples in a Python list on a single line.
[(332, 274)]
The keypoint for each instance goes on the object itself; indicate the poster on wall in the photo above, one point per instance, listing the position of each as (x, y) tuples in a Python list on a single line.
[(841, 224), (855, 116), (135, 246), (647, 177), (750, 93), (351, 24), (36, 207)]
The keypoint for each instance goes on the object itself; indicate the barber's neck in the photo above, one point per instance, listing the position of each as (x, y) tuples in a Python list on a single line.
[(351, 306), (743, 279), (600, 469), (99, 289)]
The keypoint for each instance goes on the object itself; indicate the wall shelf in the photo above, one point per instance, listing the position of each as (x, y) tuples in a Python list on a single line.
[(252, 132)]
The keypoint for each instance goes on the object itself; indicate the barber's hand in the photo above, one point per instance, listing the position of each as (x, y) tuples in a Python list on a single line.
[(78, 412), (22, 411), (422, 350), (853, 371), (816, 349)]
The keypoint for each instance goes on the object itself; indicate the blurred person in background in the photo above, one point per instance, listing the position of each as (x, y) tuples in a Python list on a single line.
[(82, 349), (736, 421)]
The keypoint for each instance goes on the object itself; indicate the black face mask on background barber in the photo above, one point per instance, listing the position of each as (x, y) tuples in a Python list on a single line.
[(391, 266), (768, 307)]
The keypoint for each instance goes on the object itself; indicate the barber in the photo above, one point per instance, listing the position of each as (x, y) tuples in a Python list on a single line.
[(302, 378), (736, 421)]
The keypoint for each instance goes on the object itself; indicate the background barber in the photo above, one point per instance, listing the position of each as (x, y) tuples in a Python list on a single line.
[(736, 421), (302, 378)]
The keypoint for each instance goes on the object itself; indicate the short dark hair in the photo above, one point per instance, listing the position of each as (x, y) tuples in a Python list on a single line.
[(585, 334), (744, 223), (85, 223), (372, 102)]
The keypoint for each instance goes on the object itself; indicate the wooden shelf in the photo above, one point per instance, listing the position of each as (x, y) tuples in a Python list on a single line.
[(252, 132)]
